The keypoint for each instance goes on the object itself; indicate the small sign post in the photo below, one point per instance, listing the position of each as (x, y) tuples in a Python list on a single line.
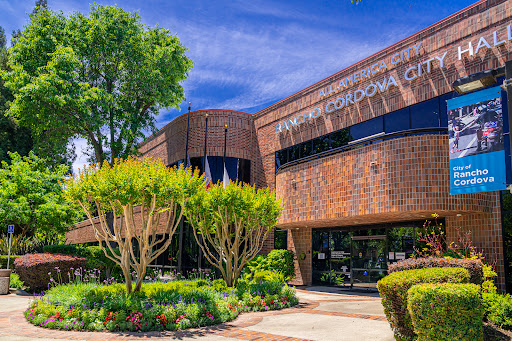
[(10, 230)]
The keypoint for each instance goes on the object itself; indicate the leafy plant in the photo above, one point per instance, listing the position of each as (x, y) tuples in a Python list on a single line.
[(160, 194), (16, 282), (233, 222), (32, 199), (276, 261), (159, 306), (39, 270), (103, 76), (333, 277), (446, 312), (393, 290)]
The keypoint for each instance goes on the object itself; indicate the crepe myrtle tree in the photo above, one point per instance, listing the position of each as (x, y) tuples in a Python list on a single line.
[(233, 222), (133, 185)]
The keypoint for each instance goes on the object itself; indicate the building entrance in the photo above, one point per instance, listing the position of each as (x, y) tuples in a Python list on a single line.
[(360, 256), (369, 263)]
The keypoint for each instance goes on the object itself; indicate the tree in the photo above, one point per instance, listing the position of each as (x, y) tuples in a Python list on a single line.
[(160, 195), (12, 137), (102, 77), (31, 197), (234, 222)]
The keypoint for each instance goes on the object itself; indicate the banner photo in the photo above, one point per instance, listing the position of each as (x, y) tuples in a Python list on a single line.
[(477, 153)]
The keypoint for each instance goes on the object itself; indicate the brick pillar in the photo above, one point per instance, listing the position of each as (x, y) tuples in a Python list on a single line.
[(486, 234), (300, 241)]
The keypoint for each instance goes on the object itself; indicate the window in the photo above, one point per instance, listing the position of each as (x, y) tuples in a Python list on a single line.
[(321, 144), (367, 128), (339, 138), (293, 153), (397, 121), (280, 239), (425, 114), (306, 149)]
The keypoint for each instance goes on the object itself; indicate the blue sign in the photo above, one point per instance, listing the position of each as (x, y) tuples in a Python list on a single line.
[(477, 155), (10, 228)]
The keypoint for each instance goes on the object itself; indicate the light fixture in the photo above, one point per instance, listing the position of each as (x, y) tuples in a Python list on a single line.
[(477, 80)]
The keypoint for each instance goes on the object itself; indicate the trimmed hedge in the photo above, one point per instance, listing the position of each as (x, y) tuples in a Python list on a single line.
[(474, 266), (446, 311), (3, 262), (95, 256), (34, 269), (393, 290)]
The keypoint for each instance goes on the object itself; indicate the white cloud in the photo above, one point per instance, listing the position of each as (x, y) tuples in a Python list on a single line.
[(266, 63)]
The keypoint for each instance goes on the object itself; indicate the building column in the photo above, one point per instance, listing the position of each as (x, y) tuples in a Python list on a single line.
[(300, 242)]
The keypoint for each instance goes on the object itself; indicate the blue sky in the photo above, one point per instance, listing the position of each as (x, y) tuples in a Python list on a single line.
[(250, 54)]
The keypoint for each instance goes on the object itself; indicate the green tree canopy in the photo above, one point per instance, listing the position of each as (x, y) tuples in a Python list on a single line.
[(31, 197), (102, 77), (234, 223), (12, 137)]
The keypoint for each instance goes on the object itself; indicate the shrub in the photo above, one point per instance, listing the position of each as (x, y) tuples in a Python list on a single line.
[(445, 312), (63, 249), (498, 309), (37, 270), (159, 306), (95, 256), (393, 290), (474, 266), (3, 261), (16, 282), (276, 261)]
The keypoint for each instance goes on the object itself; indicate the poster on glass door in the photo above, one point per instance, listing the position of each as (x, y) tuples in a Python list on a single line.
[(477, 155)]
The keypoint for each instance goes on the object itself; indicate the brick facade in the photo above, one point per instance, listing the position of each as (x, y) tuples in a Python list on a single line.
[(397, 180)]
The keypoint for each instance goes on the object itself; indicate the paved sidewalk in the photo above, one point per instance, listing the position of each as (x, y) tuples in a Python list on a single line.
[(321, 316)]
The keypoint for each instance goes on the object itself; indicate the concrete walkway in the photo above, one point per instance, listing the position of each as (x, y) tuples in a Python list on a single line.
[(321, 315)]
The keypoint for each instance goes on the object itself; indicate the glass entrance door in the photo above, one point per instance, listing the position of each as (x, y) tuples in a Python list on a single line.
[(369, 261)]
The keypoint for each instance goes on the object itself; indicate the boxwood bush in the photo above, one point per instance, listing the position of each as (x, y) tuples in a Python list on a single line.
[(3, 262), (446, 311), (36, 270), (393, 290), (474, 266)]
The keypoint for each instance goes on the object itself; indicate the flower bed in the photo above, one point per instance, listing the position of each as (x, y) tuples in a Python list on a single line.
[(159, 306)]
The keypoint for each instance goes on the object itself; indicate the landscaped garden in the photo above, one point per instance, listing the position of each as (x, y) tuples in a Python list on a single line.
[(445, 292), (158, 306), (109, 287)]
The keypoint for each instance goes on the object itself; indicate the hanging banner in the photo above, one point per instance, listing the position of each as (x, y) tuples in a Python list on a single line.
[(477, 155)]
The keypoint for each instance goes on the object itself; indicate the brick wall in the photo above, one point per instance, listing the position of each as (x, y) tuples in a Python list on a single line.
[(399, 180)]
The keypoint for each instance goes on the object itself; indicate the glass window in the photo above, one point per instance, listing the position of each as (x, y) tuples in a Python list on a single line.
[(397, 121), (321, 144), (306, 149), (443, 114), (293, 153), (244, 170), (339, 138), (367, 128), (281, 157), (280, 239), (425, 114)]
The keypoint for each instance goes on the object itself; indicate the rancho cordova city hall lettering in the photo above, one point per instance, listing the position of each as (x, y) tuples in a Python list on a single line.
[(498, 37)]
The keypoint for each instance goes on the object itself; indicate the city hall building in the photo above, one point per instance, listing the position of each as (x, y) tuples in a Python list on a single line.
[(360, 159)]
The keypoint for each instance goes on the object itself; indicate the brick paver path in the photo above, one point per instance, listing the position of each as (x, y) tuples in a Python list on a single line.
[(14, 324)]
